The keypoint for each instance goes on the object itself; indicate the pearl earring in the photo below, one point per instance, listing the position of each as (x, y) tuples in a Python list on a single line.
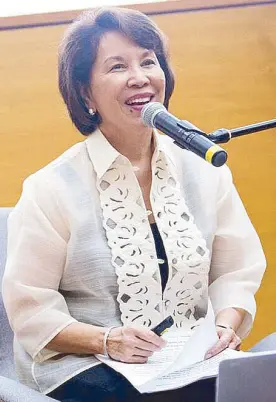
[(91, 112)]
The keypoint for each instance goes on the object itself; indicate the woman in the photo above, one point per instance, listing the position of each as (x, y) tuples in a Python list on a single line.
[(124, 228)]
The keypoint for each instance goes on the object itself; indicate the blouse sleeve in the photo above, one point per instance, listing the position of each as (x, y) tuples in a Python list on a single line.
[(36, 254), (238, 261)]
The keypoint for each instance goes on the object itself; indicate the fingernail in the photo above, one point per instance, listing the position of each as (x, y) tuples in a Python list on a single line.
[(208, 355)]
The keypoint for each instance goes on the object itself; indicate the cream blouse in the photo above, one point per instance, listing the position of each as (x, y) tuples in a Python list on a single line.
[(80, 248)]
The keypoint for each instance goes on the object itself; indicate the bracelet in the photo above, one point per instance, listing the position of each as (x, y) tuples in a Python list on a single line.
[(225, 326), (106, 335)]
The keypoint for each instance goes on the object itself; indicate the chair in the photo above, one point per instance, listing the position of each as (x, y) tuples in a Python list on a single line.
[(10, 389)]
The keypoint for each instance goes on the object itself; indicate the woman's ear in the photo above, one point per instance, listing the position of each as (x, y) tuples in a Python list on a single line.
[(87, 98)]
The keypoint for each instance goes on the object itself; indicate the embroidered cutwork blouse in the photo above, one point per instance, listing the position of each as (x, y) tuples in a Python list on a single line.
[(80, 248)]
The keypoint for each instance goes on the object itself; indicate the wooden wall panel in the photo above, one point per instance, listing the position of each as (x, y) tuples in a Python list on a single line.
[(225, 65), (167, 6)]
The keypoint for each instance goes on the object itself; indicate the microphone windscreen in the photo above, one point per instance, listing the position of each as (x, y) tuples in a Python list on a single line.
[(150, 110)]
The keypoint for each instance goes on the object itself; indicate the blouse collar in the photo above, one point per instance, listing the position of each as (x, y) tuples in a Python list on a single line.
[(103, 154)]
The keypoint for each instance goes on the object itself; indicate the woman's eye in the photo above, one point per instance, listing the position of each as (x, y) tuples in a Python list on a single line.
[(117, 67), (148, 62)]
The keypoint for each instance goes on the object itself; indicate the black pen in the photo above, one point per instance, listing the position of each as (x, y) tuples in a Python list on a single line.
[(164, 325)]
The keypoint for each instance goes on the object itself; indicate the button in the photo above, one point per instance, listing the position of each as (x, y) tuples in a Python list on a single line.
[(160, 261)]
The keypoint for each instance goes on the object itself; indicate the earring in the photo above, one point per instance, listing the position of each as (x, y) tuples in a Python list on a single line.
[(91, 112)]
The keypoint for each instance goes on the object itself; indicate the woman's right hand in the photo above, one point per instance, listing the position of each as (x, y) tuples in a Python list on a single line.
[(133, 345)]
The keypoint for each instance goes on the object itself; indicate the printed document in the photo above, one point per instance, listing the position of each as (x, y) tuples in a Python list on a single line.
[(180, 362)]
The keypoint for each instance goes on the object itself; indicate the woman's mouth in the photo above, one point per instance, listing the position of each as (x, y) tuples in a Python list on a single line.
[(138, 103)]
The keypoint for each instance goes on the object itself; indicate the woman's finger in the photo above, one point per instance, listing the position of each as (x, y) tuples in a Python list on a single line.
[(222, 344), (150, 337), (142, 352), (137, 359), (235, 343), (146, 346)]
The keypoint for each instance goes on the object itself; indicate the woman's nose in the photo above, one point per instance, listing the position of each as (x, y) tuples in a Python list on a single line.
[(138, 78)]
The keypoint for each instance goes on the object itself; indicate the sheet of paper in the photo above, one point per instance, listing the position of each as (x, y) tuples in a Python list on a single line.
[(183, 349), (157, 364), (203, 337), (177, 379)]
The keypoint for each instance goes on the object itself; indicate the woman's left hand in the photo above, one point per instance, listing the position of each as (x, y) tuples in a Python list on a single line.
[(227, 339)]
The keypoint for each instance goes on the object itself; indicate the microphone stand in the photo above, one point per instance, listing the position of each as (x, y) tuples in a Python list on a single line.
[(224, 135), (186, 134)]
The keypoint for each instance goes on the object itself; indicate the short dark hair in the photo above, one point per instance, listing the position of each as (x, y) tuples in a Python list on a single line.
[(78, 51)]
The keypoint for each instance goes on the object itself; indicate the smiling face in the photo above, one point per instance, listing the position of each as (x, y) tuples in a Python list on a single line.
[(124, 78)]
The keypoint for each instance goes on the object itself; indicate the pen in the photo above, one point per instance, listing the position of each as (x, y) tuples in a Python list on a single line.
[(163, 326)]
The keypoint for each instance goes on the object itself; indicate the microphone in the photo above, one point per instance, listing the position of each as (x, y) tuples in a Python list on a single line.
[(184, 134)]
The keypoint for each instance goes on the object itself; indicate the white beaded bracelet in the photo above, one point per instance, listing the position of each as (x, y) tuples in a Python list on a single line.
[(106, 335)]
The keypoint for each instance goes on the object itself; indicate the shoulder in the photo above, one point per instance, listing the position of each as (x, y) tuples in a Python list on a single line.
[(50, 182), (69, 160), (44, 191)]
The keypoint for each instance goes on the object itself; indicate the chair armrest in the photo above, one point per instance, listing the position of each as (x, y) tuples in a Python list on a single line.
[(267, 344), (12, 391)]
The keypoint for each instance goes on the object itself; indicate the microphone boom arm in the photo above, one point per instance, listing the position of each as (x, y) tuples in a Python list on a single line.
[(224, 135)]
